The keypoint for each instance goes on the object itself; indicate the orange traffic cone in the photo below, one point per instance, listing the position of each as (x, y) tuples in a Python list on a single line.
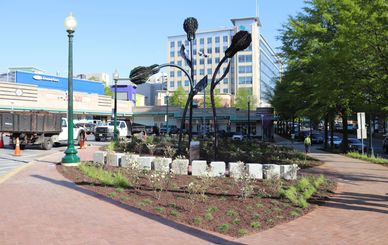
[(17, 147), (1, 141), (82, 141)]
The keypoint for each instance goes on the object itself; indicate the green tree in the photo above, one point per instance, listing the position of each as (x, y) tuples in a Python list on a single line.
[(179, 97), (242, 97), (217, 98)]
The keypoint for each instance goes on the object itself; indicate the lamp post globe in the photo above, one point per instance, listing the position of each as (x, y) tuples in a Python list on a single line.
[(116, 76), (70, 157)]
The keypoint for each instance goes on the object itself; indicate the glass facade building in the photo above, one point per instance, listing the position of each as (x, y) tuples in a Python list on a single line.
[(255, 68)]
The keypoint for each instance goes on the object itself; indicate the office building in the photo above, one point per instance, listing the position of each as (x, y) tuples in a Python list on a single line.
[(255, 68)]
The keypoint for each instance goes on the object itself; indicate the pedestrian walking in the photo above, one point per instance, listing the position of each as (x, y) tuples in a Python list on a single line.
[(307, 144)]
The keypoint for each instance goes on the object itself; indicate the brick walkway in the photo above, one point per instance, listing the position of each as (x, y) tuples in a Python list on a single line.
[(39, 206)]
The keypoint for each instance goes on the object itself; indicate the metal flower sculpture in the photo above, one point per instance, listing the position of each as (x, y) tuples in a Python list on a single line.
[(240, 41), (190, 25), (140, 74)]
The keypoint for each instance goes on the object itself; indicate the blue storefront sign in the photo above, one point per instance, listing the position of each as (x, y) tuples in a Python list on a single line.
[(59, 83)]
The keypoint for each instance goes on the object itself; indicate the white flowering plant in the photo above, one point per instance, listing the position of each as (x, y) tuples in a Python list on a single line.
[(159, 182)]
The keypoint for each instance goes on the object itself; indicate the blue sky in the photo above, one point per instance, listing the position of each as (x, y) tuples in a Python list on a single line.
[(118, 34)]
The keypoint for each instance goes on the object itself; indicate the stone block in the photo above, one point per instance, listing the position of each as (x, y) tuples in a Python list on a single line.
[(235, 169), (271, 171), (129, 159), (180, 166), (162, 164), (146, 162), (289, 172), (99, 157), (217, 169), (198, 168), (114, 159), (255, 170)]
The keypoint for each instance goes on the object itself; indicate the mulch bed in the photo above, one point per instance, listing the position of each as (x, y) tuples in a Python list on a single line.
[(222, 211)]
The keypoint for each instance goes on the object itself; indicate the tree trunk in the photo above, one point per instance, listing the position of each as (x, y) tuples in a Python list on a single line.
[(325, 124), (331, 132), (345, 145)]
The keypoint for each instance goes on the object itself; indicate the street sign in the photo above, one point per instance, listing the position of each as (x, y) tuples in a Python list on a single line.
[(361, 132), (361, 120)]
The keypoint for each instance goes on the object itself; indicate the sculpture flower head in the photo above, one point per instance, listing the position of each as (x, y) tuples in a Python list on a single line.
[(140, 74), (240, 41), (190, 26)]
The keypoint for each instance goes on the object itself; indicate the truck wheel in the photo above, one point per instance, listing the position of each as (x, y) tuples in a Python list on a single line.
[(97, 139), (47, 144)]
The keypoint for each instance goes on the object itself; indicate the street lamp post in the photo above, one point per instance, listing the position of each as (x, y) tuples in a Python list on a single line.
[(116, 76), (249, 117), (70, 157), (262, 127), (167, 100)]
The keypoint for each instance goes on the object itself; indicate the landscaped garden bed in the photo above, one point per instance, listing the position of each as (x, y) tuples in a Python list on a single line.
[(235, 207)]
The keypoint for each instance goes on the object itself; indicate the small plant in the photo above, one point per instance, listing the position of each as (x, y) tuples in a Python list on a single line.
[(112, 194), (124, 198), (208, 216), (294, 213), (256, 216), (172, 205), (277, 210), (244, 182), (169, 151), (242, 231), (105, 177), (132, 167), (159, 181), (236, 221), (269, 221), (147, 201), (223, 227), (174, 213), (197, 220), (259, 205), (119, 189), (159, 209), (151, 148), (212, 209), (255, 224), (231, 213)]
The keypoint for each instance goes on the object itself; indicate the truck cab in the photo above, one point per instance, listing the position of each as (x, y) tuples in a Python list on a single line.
[(106, 131)]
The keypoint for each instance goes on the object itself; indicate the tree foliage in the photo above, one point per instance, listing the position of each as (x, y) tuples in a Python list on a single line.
[(336, 61), (179, 97), (243, 96)]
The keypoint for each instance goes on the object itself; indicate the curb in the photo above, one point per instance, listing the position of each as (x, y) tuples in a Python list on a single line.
[(25, 166)]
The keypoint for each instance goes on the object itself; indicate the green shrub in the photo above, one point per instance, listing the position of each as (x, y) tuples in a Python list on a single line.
[(208, 216), (106, 177), (112, 194), (231, 213), (259, 205), (242, 231), (212, 209), (256, 216), (174, 213), (197, 220), (236, 221), (255, 224), (159, 209), (223, 227), (294, 213)]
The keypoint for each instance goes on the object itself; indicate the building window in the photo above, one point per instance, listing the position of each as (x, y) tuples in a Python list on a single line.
[(245, 80), (194, 51), (202, 72), (172, 84), (249, 48), (172, 73), (179, 73), (225, 48), (217, 60), (244, 69), (209, 40), (217, 39), (226, 90), (187, 83), (195, 72), (209, 60), (217, 50), (244, 58), (172, 54), (209, 50), (209, 71), (186, 43), (179, 83), (226, 80), (179, 44), (172, 62), (122, 96), (172, 44), (201, 61), (201, 41), (225, 39), (179, 63)]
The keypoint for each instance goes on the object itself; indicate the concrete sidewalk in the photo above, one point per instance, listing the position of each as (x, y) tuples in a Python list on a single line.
[(39, 206)]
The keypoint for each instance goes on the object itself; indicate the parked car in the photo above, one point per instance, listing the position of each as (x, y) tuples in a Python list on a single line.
[(336, 141), (172, 129), (238, 136), (316, 138), (356, 145), (385, 144), (89, 127)]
